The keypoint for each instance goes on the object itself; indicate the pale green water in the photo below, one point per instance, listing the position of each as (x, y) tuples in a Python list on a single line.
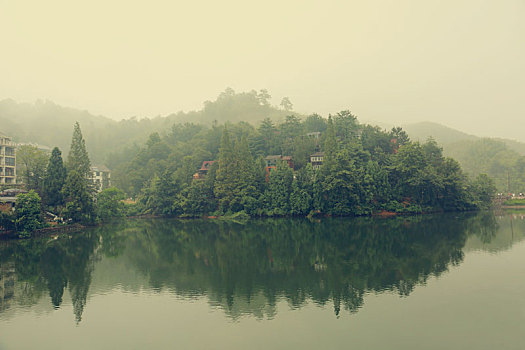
[(434, 282)]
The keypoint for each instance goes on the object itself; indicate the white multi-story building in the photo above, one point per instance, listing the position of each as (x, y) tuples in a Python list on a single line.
[(7, 160), (101, 177)]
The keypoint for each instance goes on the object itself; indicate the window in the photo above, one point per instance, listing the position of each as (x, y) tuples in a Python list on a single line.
[(9, 172), (9, 161), (10, 151)]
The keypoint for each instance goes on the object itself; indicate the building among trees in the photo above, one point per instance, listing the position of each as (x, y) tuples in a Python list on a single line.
[(272, 161), (317, 159), (7, 160), (204, 169), (101, 177)]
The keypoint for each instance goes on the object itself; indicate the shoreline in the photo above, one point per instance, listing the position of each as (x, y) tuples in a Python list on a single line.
[(384, 214), (5, 235)]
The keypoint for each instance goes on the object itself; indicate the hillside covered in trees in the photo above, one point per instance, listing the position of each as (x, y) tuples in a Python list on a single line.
[(501, 159), (113, 142), (364, 170)]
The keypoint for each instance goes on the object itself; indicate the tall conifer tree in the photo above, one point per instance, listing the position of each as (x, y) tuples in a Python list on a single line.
[(78, 190), (245, 186), (79, 202), (224, 183), (54, 179), (330, 144), (78, 158)]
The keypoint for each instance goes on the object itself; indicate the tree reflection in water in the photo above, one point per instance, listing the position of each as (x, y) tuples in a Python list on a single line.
[(246, 268)]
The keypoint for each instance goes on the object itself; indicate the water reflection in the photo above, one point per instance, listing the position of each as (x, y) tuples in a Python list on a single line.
[(246, 269)]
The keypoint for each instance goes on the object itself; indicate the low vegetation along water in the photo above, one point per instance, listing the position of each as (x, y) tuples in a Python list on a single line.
[(434, 282)]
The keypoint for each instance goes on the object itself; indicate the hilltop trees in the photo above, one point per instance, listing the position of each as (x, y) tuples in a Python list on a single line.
[(364, 169)]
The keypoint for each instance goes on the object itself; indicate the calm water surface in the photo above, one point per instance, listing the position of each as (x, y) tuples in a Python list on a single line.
[(434, 282)]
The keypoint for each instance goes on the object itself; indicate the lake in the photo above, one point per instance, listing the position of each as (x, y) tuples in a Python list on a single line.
[(447, 281)]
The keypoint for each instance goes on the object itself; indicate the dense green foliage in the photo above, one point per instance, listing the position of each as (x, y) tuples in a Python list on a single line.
[(78, 159), (114, 143), (365, 170), (110, 205), (54, 180), (68, 193), (28, 212), (79, 202), (78, 191)]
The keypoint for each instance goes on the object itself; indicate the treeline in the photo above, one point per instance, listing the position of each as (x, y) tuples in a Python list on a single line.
[(365, 169)]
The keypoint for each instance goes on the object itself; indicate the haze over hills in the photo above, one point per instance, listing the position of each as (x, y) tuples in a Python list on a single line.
[(501, 159), (49, 124)]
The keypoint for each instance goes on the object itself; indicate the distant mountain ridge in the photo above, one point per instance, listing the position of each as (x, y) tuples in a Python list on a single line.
[(501, 159), (442, 134), (49, 124), (447, 136)]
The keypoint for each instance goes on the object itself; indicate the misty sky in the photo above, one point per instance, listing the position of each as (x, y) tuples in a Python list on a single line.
[(457, 62)]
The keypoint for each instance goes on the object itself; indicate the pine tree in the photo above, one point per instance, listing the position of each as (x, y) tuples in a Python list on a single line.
[(223, 183), (245, 176), (300, 200), (279, 189), (54, 179), (78, 190), (79, 202), (78, 159), (330, 145)]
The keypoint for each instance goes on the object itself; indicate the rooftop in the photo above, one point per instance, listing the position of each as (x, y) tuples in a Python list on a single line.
[(101, 168), (276, 156), (206, 165)]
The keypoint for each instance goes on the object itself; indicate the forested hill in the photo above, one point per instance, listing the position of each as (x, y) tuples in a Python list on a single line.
[(49, 124), (501, 159), (112, 142), (444, 135), (447, 136)]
